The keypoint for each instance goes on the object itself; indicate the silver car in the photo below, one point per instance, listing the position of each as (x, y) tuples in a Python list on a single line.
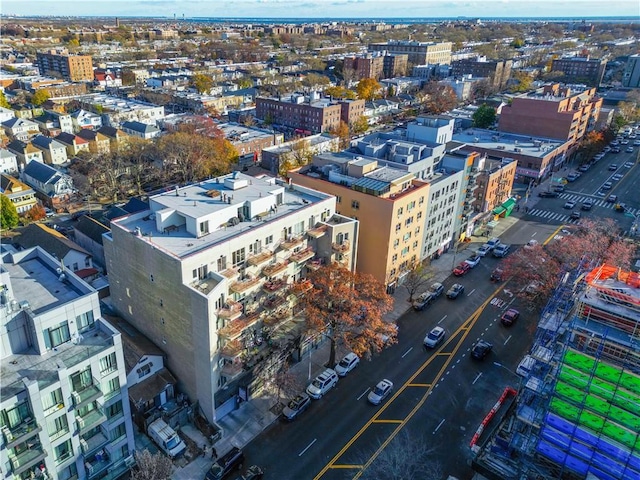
[(380, 391), (348, 363)]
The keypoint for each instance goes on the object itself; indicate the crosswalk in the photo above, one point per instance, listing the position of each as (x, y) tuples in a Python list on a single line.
[(566, 218)]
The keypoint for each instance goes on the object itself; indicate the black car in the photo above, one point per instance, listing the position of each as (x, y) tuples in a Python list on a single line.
[(548, 194), (296, 406), (481, 349), (496, 275), (230, 461)]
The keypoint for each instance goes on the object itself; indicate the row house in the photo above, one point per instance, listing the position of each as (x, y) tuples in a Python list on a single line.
[(6, 114), (54, 152), (141, 130), (20, 128), (211, 272), (20, 194), (73, 143), (83, 119), (25, 152), (117, 138), (98, 143), (8, 161), (52, 187)]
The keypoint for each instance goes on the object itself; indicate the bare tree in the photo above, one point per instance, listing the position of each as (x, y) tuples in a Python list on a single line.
[(417, 278), (407, 457), (151, 466)]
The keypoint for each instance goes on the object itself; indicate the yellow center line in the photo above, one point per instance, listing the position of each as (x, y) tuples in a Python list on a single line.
[(347, 466), (388, 421), (466, 328), (423, 385), (553, 235)]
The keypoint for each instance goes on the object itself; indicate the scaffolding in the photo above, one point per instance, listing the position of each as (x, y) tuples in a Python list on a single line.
[(578, 413)]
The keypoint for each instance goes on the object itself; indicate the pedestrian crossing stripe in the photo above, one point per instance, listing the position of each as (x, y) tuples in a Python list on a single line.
[(599, 203)]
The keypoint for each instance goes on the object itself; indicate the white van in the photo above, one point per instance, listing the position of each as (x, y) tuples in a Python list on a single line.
[(525, 366), (166, 438)]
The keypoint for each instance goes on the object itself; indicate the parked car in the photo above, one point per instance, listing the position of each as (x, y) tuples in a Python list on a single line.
[(49, 213), (224, 465), (493, 243), (612, 198), (380, 391), (583, 168), (501, 250), (607, 186), (616, 177), (322, 384), (533, 243), (481, 349), (509, 317), (348, 363), (558, 188), (253, 473), (613, 166), (455, 290), (434, 337), (422, 301), (461, 269), (497, 275), (573, 176), (483, 250), (548, 194), (473, 260), (628, 164), (436, 289), (296, 406), (570, 204)]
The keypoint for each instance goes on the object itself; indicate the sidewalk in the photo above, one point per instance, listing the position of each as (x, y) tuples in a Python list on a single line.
[(252, 417)]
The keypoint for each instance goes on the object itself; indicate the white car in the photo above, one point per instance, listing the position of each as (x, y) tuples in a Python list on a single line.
[(531, 244), (380, 391), (570, 204), (322, 384), (434, 337), (483, 250), (473, 260), (348, 363)]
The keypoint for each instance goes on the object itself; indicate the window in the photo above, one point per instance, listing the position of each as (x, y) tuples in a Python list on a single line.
[(203, 272), (268, 240), (405, 251), (118, 432), (111, 387), (396, 242), (55, 336), (222, 263), (355, 204), (394, 258), (400, 211), (15, 416), (238, 257), (51, 401), (144, 370), (204, 227), (57, 427), (87, 262), (115, 410), (338, 199), (108, 364), (63, 451), (85, 321)]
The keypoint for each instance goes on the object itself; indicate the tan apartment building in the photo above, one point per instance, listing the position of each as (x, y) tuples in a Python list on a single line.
[(552, 111), (210, 271), (418, 53), (367, 66), (351, 110), (75, 68), (498, 71), (389, 203)]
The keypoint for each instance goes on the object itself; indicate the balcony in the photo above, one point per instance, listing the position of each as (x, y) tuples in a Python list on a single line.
[(301, 287), (317, 232), (27, 459), (303, 255), (275, 301), (260, 258), (230, 311), (229, 272), (98, 464), (232, 349), (243, 285), (90, 445), (90, 420), (18, 434), (315, 264), (274, 285), (86, 395), (234, 328), (232, 369), (341, 247), (292, 243), (274, 269)]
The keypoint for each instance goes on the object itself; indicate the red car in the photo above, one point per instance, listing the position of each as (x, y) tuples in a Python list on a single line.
[(509, 317), (461, 269)]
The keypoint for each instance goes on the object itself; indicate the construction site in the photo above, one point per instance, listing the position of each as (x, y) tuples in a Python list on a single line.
[(576, 414)]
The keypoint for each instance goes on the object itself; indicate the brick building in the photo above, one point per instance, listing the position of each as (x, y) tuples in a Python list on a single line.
[(580, 69), (75, 68), (419, 53), (499, 71), (368, 66)]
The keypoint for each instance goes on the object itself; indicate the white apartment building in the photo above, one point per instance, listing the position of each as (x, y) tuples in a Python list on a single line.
[(206, 274), (64, 410)]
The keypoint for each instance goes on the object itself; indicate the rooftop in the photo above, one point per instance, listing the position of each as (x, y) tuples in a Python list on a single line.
[(239, 133), (507, 142)]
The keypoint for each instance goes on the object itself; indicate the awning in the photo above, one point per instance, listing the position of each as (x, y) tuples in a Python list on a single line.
[(509, 204), (498, 210)]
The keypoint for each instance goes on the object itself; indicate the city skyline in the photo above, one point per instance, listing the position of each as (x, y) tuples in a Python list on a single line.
[(324, 9)]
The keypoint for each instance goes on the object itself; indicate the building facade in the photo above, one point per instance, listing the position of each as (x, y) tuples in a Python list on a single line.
[(64, 409), (367, 66), (498, 71), (580, 70), (209, 273), (631, 74), (418, 53), (75, 68)]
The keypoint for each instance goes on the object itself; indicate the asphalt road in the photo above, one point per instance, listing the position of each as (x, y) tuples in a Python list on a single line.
[(440, 396)]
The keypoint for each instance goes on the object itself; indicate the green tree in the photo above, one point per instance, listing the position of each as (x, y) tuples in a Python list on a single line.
[(484, 116), (3, 101), (368, 88), (360, 125), (8, 214), (40, 96), (202, 83)]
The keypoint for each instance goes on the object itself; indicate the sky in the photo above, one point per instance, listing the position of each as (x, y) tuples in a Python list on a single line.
[(324, 8)]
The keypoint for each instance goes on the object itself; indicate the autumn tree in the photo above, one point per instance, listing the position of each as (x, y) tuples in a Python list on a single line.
[(8, 214), (484, 116), (151, 466), (417, 279), (368, 89), (35, 213), (438, 98), (3, 101), (340, 92), (300, 154), (40, 96), (342, 132), (348, 308), (591, 144), (520, 81), (360, 125), (201, 82)]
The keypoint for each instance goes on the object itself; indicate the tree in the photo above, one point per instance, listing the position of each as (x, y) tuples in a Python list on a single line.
[(591, 144), (40, 96), (342, 131), (300, 154), (151, 466), (520, 81), (8, 214), (202, 83), (35, 213), (368, 88), (484, 116), (417, 279), (438, 98), (340, 92), (3, 101), (348, 308), (408, 456), (360, 125)]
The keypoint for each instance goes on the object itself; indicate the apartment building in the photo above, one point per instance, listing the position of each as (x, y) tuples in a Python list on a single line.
[(366, 66), (388, 202), (64, 409), (494, 183), (298, 150), (250, 140), (418, 53), (209, 273), (498, 71), (631, 74), (307, 114), (580, 69), (553, 111), (74, 68), (117, 110), (394, 65)]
